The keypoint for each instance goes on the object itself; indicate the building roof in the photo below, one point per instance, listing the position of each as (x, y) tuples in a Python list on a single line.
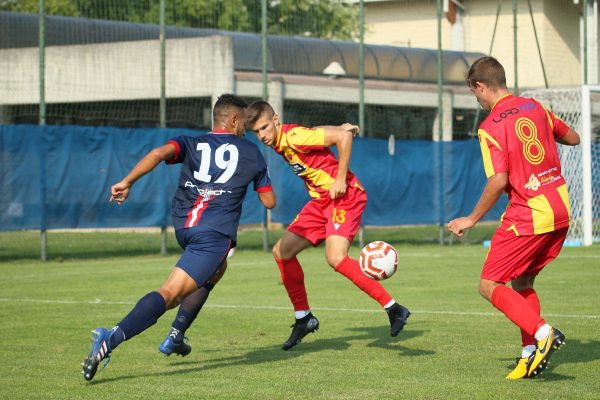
[(287, 54)]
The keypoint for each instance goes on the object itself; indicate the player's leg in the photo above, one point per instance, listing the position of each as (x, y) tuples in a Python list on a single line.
[(517, 309), (204, 259), (336, 252), (190, 307), (548, 338), (285, 251), (524, 286), (143, 315), (292, 276), (342, 222), (509, 257)]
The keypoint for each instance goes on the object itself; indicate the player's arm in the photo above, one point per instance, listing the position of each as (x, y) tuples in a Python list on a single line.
[(571, 138), (120, 190), (491, 193), (345, 126), (268, 199), (341, 137)]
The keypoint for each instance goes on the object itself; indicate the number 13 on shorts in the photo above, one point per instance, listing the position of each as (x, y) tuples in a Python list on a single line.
[(338, 216)]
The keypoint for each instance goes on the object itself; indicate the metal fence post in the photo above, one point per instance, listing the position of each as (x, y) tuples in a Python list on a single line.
[(42, 122)]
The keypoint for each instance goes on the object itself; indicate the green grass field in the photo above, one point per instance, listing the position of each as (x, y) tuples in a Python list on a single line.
[(456, 345)]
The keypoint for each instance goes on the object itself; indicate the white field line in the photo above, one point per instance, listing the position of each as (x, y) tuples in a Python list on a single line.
[(167, 267), (578, 256), (281, 308)]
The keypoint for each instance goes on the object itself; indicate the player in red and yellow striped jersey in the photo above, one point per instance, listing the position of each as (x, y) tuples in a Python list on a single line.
[(333, 215), (518, 145)]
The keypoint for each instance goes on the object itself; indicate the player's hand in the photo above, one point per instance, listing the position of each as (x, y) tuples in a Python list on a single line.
[(458, 225), (352, 128), (119, 192), (337, 189)]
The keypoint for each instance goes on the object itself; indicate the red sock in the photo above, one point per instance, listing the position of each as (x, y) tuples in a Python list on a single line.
[(351, 270), (533, 301), (293, 280), (517, 309)]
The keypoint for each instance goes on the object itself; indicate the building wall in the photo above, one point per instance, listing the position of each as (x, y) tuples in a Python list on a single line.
[(414, 23), (405, 23), (561, 42), (118, 71)]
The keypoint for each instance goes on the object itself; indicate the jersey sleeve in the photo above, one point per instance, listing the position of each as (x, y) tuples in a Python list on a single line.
[(306, 139), (262, 180), (179, 143), (494, 158), (559, 127)]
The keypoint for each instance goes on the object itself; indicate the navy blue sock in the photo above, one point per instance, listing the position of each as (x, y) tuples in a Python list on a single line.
[(117, 337), (145, 314), (188, 311)]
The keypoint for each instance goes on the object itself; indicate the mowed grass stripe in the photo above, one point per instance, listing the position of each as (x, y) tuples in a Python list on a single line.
[(281, 308), (456, 345)]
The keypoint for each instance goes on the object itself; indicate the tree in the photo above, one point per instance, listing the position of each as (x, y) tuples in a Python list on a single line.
[(53, 7), (230, 15), (328, 19), (314, 18)]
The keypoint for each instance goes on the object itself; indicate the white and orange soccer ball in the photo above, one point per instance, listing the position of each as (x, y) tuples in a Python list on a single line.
[(378, 260)]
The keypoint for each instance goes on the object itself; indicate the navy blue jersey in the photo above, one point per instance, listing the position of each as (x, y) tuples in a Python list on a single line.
[(215, 174)]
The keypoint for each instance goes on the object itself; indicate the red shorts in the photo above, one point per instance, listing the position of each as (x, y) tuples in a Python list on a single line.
[(324, 217), (511, 256)]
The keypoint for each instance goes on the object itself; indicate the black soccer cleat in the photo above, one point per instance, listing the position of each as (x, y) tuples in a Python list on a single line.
[(398, 316), (302, 327)]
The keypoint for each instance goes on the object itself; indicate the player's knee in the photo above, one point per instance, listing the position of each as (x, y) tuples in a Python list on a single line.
[(486, 288), (522, 282), (172, 299), (277, 250), (481, 291), (334, 258)]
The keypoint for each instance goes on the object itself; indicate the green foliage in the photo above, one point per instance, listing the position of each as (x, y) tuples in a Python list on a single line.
[(329, 19), (231, 15), (53, 7), (314, 18)]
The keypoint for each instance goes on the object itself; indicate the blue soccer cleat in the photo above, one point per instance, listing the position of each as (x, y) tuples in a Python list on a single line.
[(100, 351), (169, 346)]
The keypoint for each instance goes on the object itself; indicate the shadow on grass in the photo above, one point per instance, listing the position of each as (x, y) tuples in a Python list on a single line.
[(574, 352), (312, 344)]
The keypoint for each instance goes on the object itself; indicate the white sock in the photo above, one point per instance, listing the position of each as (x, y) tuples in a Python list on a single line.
[(542, 332), (527, 350), (391, 303), (301, 313)]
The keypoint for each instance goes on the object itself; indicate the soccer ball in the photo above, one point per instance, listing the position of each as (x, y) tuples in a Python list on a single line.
[(378, 260)]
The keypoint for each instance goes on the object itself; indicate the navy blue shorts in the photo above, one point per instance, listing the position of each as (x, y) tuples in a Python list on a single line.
[(203, 252)]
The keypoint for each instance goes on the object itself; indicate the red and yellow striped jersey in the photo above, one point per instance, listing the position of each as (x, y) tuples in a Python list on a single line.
[(304, 150), (518, 137)]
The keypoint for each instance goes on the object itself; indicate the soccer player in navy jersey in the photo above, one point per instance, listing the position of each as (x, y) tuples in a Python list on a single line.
[(216, 171)]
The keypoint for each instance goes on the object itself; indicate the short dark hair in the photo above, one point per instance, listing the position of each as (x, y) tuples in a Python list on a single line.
[(224, 104), (258, 108), (487, 70)]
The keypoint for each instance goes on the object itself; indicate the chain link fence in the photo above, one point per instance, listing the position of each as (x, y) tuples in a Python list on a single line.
[(106, 63)]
